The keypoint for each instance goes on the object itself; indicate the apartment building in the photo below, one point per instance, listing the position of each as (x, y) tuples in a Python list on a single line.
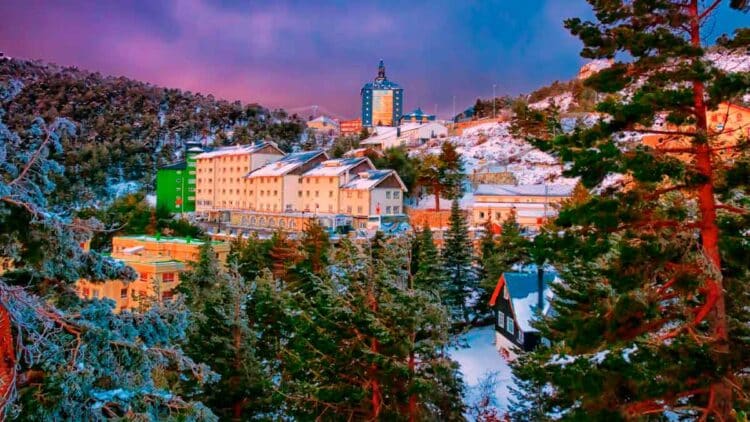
[(158, 261), (275, 187), (221, 174), (320, 187), (373, 192), (531, 204)]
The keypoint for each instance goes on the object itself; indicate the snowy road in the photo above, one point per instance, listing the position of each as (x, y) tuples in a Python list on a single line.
[(479, 360)]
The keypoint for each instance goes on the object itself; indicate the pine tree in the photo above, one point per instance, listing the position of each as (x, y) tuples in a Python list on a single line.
[(430, 273), (62, 358), (458, 262), (357, 327), (221, 333), (652, 317), (442, 175)]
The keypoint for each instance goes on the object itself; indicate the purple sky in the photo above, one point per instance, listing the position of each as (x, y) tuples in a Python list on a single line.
[(294, 54)]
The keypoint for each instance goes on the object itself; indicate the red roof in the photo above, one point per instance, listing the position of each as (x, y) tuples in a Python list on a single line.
[(498, 289)]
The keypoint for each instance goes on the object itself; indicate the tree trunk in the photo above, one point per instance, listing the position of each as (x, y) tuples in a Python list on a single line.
[(717, 318), (7, 360)]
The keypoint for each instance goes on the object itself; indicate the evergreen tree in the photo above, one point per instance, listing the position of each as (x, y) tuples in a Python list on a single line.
[(652, 318), (458, 262), (221, 333), (442, 175), (430, 274), (358, 326), (62, 358)]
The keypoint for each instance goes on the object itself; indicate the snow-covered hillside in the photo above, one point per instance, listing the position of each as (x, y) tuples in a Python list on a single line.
[(493, 144)]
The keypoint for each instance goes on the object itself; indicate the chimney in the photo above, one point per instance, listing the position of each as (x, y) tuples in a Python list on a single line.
[(540, 286)]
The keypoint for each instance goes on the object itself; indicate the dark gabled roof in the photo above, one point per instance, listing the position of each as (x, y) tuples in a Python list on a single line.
[(180, 165)]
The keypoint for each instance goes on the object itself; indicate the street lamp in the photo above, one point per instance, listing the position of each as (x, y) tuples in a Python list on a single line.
[(493, 100)]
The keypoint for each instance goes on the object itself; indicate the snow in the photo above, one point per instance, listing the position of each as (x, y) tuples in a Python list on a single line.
[(729, 62), (335, 167), (479, 360), (151, 200), (368, 179), (524, 190), (286, 164), (563, 101), (117, 190), (493, 144), (233, 150)]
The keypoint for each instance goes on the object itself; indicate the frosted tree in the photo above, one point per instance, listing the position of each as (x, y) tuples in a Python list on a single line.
[(62, 358)]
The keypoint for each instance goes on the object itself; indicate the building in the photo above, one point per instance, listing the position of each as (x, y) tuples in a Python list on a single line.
[(158, 261), (221, 174), (491, 174), (408, 135), (382, 101), (276, 187), (517, 299), (321, 186), (325, 125), (179, 248), (417, 116), (727, 125), (532, 205), (175, 184), (350, 127), (374, 192)]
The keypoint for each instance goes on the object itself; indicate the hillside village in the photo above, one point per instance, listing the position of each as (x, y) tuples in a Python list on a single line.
[(393, 266)]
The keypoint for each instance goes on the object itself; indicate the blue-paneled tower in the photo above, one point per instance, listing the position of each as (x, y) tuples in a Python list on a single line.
[(382, 101)]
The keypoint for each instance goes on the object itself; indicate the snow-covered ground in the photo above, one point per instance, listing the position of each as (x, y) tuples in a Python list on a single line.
[(563, 101), (481, 360), (493, 144)]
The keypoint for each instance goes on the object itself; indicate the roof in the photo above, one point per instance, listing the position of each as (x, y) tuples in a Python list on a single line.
[(287, 164), (523, 292), (418, 113), (326, 120), (524, 190), (165, 239), (368, 180), (238, 150), (180, 165), (336, 166), (381, 134)]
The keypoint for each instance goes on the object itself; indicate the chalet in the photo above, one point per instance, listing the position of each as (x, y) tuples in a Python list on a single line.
[(516, 301)]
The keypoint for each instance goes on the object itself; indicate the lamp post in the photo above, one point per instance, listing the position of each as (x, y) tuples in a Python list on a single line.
[(493, 100)]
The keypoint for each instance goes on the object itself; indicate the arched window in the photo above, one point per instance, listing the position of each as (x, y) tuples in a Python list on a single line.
[(271, 222), (262, 222), (252, 221)]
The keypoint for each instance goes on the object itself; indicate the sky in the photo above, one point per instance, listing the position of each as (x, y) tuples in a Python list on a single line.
[(295, 54)]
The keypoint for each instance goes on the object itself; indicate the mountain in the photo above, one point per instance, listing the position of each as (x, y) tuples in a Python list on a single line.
[(127, 128)]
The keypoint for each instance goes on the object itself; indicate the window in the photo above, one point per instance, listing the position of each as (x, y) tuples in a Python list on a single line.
[(396, 194), (520, 336), (500, 319), (330, 194), (509, 327), (96, 294), (167, 277), (387, 194), (388, 209), (359, 195), (396, 210), (481, 214), (349, 209), (123, 293), (144, 276), (359, 210), (316, 193), (167, 295), (86, 292)]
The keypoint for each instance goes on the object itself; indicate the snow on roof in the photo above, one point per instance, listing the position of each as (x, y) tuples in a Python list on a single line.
[(286, 164), (326, 120), (524, 295), (369, 179), (236, 150), (380, 134), (336, 167), (180, 165), (524, 190)]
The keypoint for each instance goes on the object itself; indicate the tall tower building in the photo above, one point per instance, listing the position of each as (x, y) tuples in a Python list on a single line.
[(382, 101)]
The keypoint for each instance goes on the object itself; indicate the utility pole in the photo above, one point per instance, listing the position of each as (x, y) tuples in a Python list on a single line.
[(493, 100), (453, 116)]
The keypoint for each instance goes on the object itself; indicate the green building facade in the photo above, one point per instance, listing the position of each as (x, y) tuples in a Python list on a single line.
[(175, 184)]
